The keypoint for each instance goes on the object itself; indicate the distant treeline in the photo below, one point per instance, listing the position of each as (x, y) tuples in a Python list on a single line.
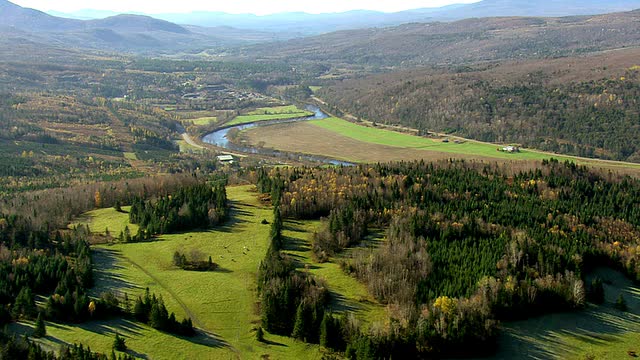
[(593, 117)]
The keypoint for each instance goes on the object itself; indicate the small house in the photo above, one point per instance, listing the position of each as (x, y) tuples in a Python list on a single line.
[(510, 149), (225, 159)]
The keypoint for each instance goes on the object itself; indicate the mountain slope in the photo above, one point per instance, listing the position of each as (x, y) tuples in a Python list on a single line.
[(34, 20), (553, 8), (464, 41), (127, 33), (581, 105)]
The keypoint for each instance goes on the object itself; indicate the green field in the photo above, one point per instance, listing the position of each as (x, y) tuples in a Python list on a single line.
[(204, 120), (347, 292), (222, 303), (314, 89), (102, 219), (270, 113), (466, 147), (185, 147), (397, 139), (130, 156)]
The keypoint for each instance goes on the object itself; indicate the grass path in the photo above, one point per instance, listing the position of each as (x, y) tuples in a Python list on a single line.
[(166, 288)]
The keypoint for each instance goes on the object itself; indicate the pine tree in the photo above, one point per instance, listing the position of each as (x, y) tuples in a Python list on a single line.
[(621, 303), (40, 330), (300, 325), (119, 343), (325, 340), (260, 334)]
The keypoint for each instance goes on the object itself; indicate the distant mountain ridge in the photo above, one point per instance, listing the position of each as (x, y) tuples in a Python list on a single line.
[(125, 32), (310, 24), (38, 21)]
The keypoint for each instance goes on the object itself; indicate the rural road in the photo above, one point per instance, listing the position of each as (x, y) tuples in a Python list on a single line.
[(168, 290), (190, 141)]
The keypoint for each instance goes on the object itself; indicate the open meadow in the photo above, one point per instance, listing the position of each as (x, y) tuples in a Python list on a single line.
[(270, 113), (222, 304)]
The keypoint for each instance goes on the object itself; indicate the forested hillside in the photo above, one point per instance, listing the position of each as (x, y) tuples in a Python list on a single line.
[(466, 245), (586, 106), (460, 42)]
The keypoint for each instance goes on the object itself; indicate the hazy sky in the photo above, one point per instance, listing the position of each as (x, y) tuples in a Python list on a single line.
[(259, 7)]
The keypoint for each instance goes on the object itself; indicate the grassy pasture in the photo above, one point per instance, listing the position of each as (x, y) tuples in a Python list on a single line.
[(108, 218), (222, 303), (271, 113), (204, 120), (347, 293), (396, 139), (130, 156)]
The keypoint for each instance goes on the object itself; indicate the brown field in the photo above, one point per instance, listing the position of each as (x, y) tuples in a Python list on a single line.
[(310, 139)]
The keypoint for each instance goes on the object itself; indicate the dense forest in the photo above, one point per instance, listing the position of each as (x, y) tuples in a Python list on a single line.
[(197, 206), (467, 244), (587, 108)]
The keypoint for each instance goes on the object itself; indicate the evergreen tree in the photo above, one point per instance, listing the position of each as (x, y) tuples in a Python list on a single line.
[(301, 323), (260, 334), (621, 303), (40, 329), (596, 291), (119, 343)]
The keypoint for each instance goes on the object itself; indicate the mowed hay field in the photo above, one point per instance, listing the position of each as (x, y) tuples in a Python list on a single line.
[(222, 304), (271, 113), (341, 139)]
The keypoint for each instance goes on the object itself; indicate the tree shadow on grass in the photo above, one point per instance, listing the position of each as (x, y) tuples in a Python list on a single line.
[(106, 269), (233, 222), (136, 354), (546, 336), (123, 327), (207, 339), (272, 343), (295, 244), (339, 303)]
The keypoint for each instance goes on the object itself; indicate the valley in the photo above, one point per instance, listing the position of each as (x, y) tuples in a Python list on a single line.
[(453, 182)]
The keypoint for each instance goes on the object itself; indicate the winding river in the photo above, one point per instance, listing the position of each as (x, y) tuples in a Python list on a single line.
[(219, 138)]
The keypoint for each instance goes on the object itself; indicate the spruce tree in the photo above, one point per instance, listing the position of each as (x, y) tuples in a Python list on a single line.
[(40, 330), (300, 325), (260, 334), (119, 343), (621, 303)]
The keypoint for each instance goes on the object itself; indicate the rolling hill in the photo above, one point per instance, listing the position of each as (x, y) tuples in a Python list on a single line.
[(126, 33), (464, 41), (581, 105)]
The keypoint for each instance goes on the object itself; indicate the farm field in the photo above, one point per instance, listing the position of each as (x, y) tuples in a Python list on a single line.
[(270, 113), (340, 139), (222, 303), (204, 120)]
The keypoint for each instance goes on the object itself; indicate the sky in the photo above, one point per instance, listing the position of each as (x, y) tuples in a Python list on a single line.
[(259, 7)]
